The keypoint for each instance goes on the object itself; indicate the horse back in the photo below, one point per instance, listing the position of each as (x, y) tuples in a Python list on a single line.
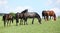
[(7, 16), (51, 12), (31, 14)]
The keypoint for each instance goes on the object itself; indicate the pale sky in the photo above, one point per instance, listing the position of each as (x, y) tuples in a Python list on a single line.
[(7, 6)]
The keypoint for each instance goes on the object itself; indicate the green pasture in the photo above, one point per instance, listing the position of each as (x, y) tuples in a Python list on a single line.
[(46, 27)]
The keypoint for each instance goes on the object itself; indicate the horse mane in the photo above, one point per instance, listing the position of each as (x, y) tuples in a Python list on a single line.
[(26, 10), (37, 14)]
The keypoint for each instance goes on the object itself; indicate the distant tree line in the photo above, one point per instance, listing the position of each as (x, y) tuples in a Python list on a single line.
[(1, 14), (13, 14)]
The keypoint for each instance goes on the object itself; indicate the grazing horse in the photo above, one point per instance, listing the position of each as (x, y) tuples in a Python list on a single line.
[(7, 18), (47, 13), (31, 15)]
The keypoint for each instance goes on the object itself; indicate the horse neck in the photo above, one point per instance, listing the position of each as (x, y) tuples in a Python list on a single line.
[(38, 15)]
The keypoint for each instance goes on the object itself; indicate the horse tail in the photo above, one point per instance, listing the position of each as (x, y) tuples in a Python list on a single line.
[(12, 19), (39, 18), (42, 13), (3, 18)]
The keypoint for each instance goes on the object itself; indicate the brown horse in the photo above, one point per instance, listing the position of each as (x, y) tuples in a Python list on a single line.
[(7, 18), (47, 13)]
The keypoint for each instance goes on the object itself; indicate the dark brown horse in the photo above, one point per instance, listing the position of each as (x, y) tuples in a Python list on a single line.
[(7, 18), (47, 13), (20, 16)]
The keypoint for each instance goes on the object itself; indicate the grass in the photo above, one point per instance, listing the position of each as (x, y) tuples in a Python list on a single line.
[(46, 27)]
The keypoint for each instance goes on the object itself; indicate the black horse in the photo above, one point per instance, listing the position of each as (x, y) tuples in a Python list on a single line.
[(33, 15), (7, 18)]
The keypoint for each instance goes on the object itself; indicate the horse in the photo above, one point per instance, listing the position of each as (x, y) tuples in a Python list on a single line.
[(31, 15), (7, 18), (17, 17), (20, 16), (47, 13)]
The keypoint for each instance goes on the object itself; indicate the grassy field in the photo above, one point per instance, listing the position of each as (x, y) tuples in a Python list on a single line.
[(46, 27)]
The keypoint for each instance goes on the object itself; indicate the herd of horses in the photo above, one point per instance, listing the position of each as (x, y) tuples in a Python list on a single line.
[(24, 15)]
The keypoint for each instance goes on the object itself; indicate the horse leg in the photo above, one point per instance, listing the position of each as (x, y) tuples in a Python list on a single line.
[(12, 20), (25, 21), (21, 22), (7, 22), (44, 17), (4, 23), (47, 18), (39, 19), (54, 17), (33, 21), (50, 17), (17, 22)]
